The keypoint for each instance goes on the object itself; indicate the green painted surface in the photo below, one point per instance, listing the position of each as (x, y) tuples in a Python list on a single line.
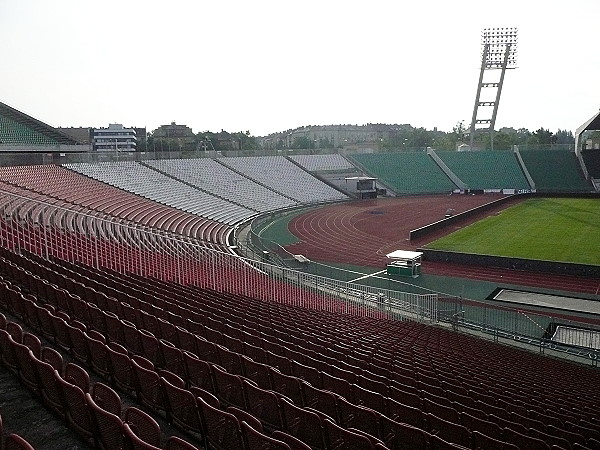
[(278, 231)]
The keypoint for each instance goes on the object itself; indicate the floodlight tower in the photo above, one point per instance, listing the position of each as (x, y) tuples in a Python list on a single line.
[(499, 52)]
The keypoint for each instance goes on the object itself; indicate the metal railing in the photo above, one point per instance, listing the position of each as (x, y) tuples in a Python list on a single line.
[(577, 337)]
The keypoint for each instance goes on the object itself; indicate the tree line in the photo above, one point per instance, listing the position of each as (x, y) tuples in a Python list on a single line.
[(403, 138)]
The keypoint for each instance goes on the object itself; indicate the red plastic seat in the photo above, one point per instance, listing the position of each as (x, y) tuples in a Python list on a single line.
[(286, 385), (99, 353), (199, 372), (122, 372), (337, 385), (150, 347), (229, 360), (229, 388), (78, 412), (33, 343), (62, 337), (172, 358), (183, 408), (307, 373), (369, 399), (550, 439), (187, 341), (338, 437), (176, 443), (222, 429), (106, 398), (449, 431), (524, 440), (483, 442), (79, 347), (291, 441), (264, 405), (324, 401), (303, 424), (256, 440), (16, 442), (78, 376), (108, 426), (437, 443), (50, 389), (150, 391), (255, 352), (400, 435), (486, 427), (207, 351), (257, 372), (52, 357), (133, 441), (359, 417), (142, 425), (27, 367), (9, 357), (244, 416), (131, 336)]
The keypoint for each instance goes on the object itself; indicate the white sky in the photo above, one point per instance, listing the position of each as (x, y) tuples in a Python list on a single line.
[(267, 66)]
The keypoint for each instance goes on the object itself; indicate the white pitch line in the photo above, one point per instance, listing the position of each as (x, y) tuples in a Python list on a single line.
[(366, 276)]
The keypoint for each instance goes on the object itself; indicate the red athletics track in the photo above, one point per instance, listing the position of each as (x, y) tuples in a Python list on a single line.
[(361, 233)]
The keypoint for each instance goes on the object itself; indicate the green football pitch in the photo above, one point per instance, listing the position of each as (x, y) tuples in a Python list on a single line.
[(553, 229)]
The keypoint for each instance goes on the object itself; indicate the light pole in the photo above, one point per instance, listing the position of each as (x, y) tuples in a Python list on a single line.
[(499, 52)]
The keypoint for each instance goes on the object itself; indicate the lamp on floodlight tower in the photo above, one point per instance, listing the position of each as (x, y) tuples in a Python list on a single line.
[(499, 52)]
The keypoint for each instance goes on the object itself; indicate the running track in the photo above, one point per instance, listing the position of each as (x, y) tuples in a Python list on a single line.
[(361, 233)]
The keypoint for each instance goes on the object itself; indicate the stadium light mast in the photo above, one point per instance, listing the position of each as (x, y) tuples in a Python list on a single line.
[(499, 52)]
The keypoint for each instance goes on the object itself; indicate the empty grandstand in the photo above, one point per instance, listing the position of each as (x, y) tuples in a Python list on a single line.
[(555, 171), (323, 163), (285, 177), (154, 185), (21, 132), (126, 315), (218, 179), (406, 173), (486, 170)]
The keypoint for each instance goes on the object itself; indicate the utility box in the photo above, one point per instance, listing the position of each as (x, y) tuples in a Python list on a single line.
[(404, 263)]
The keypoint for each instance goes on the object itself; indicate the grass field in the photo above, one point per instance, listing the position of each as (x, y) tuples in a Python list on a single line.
[(554, 229)]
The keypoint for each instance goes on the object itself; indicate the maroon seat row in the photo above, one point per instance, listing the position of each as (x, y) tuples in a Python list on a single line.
[(437, 404)]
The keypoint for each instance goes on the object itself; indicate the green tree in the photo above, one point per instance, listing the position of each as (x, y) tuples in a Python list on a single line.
[(325, 143), (301, 142), (460, 131), (246, 141), (564, 137), (544, 137)]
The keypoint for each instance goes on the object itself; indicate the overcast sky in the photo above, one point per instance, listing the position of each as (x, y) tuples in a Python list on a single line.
[(267, 66)]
